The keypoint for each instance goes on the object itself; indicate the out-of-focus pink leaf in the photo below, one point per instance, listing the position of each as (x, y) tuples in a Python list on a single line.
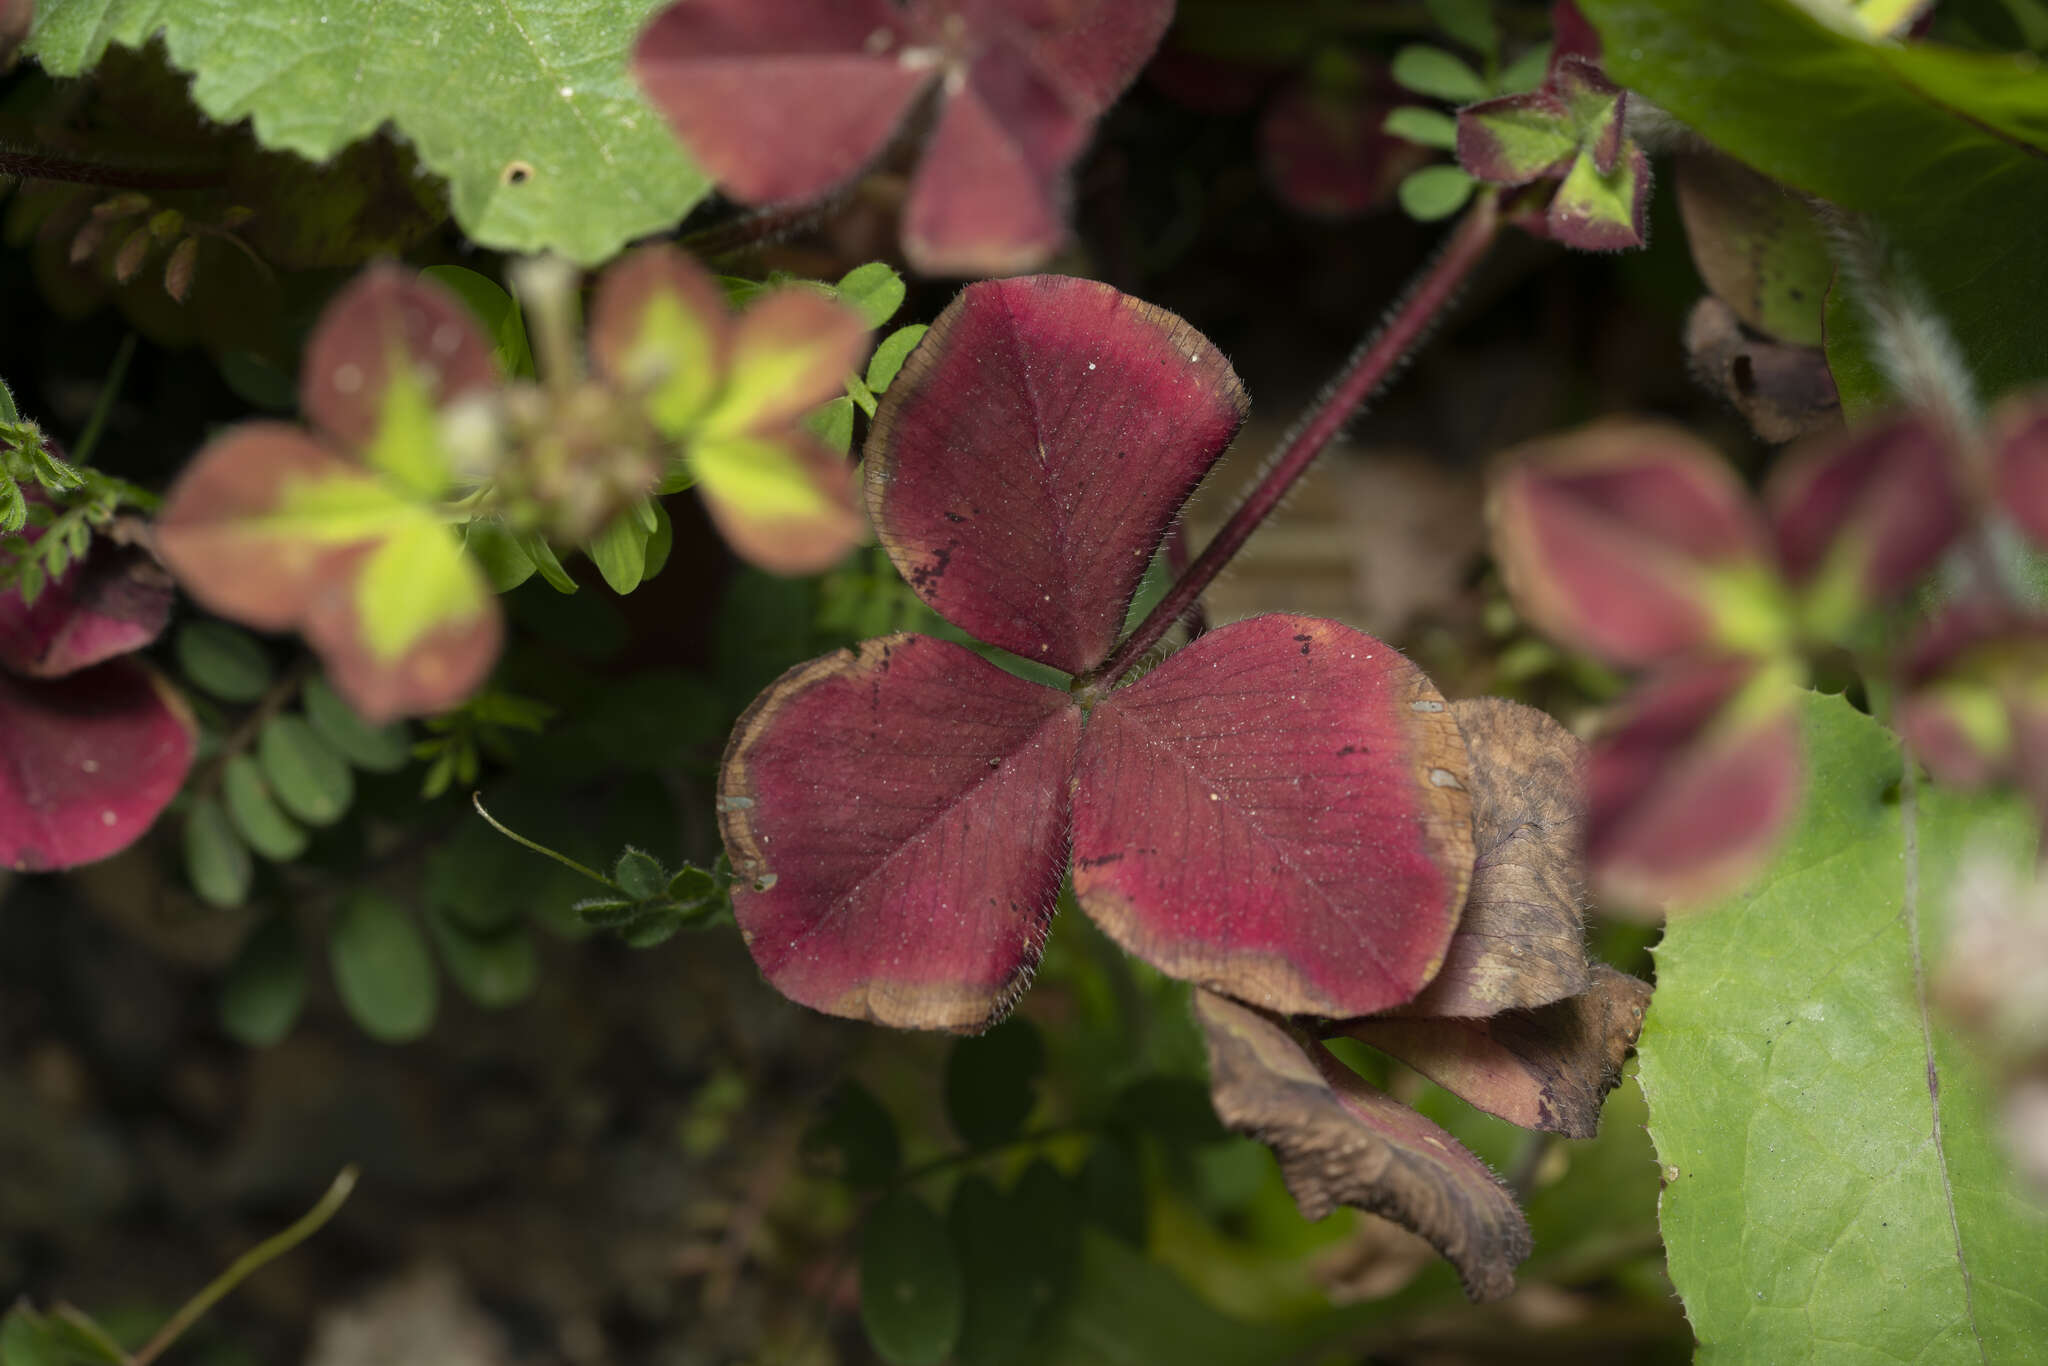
[(781, 100), (1329, 154), (896, 817), (1572, 36), (659, 327), (1208, 82), (1520, 941), (1692, 784), (88, 762), (1027, 461), (2019, 434), (1977, 696), (16, 16), (386, 315), (790, 352), (1548, 1068), (1340, 1142), (1280, 812), (1632, 541), (1860, 517), (1090, 49), (112, 603), (270, 528), (785, 502)]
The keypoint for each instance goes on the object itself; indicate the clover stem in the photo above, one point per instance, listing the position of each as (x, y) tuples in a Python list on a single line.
[(1376, 358)]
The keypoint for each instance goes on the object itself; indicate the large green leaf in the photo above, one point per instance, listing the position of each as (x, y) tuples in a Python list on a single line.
[(525, 106), (1944, 149), (1835, 1189)]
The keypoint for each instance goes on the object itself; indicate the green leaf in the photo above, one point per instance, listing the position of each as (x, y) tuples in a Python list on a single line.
[(265, 988), (526, 107), (1113, 1190), (1942, 148), (641, 874), (8, 412), (875, 291), (382, 969), (1469, 22), (991, 1082), (497, 310), (254, 812), (887, 362), (912, 1298), (380, 749), (1425, 127), (1435, 192), (305, 774), (1835, 1188), (859, 1134), (498, 550), (691, 885), (215, 858), (1017, 1254), (1434, 72), (620, 551), (494, 970), (660, 541), (229, 663), (832, 423), (544, 559)]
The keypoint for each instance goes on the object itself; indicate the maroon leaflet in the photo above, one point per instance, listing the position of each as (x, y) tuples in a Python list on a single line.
[(1279, 812), (1976, 703), (113, 602), (785, 100), (2019, 441), (1327, 152), (89, 762), (389, 314), (1340, 1142), (897, 820), (1024, 466)]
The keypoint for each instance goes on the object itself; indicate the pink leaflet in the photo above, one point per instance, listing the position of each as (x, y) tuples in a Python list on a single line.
[(897, 817), (1328, 155), (384, 310), (1025, 465), (1883, 496), (89, 761), (2019, 474), (113, 602), (1280, 812)]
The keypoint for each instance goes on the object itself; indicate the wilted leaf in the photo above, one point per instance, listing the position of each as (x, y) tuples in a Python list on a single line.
[(1520, 941), (896, 818), (526, 108), (89, 762), (1024, 466), (1280, 812), (1783, 391), (273, 529), (1756, 246), (1548, 1068), (1340, 1142), (1834, 1182)]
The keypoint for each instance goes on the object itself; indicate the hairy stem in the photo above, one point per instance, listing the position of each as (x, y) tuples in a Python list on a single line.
[(31, 164), (1368, 368)]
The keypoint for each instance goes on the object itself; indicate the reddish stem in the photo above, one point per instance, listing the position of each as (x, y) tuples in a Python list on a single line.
[(1376, 358), (35, 165)]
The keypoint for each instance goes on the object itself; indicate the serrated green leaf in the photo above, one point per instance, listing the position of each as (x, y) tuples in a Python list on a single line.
[(255, 813), (1434, 72), (641, 874), (894, 349), (265, 987), (1943, 148), (229, 663), (859, 1135), (305, 774), (992, 1081), (527, 108), (620, 551), (383, 970), (1435, 192), (1835, 1188), (494, 970), (380, 749), (216, 860), (1424, 127), (911, 1293), (497, 310), (875, 291)]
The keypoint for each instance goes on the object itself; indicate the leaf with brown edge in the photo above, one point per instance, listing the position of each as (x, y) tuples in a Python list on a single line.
[(89, 761), (1520, 941), (1632, 541), (2019, 442), (270, 528), (1693, 783), (1279, 812), (1341, 1142), (1026, 463), (390, 322), (782, 101), (896, 816), (1549, 1068), (114, 601)]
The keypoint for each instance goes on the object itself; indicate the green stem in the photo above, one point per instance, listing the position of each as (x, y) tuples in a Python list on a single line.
[(477, 800), (246, 1265), (969, 1156), (81, 452)]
